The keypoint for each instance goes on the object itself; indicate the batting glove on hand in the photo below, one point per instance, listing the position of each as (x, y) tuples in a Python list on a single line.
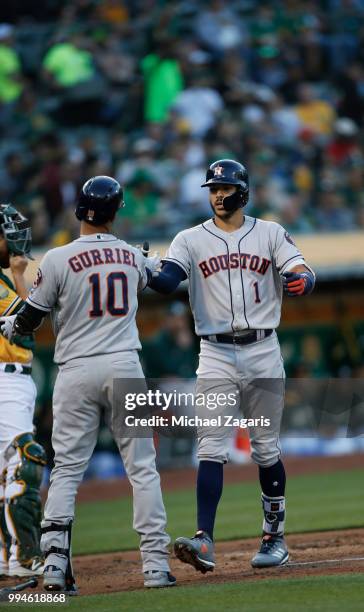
[(295, 284), (153, 264), (7, 327)]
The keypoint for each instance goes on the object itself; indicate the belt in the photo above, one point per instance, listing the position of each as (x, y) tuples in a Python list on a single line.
[(10, 368), (253, 336)]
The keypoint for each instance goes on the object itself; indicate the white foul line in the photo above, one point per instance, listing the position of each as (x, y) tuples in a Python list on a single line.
[(298, 563)]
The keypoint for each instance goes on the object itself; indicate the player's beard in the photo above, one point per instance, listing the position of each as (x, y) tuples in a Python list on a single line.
[(222, 214)]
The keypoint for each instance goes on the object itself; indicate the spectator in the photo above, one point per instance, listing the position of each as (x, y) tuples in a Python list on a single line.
[(344, 144), (266, 85), (70, 71), (315, 114), (68, 64), (285, 121), (219, 28), (10, 72), (10, 66), (143, 156), (162, 81), (118, 66), (112, 11), (199, 104)]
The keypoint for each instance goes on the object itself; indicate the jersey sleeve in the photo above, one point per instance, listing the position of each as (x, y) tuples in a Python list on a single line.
[(286, 255), (10, 302), (179, 253), (44, 292)]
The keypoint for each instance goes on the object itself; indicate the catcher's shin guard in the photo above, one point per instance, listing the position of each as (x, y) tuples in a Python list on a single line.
[(70, 586), (22, 499), (5, 538), (274, 509)]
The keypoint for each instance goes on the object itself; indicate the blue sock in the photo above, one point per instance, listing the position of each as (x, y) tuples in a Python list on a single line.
[(273, 479), (209, 490)]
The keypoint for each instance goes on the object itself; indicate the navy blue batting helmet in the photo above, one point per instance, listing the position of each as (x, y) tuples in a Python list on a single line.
[(229, 172), (100, 198)]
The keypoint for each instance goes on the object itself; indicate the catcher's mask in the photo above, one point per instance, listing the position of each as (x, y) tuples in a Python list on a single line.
[(16, 230), (230, 172)]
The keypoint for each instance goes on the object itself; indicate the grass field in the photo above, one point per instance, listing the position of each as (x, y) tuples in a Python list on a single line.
[(315, 502), (319, 594)]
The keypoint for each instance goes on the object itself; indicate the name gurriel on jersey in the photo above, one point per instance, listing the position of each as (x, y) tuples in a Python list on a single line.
[(245, 261), (97, 257)]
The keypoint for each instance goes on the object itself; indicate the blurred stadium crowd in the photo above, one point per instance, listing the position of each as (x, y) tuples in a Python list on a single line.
[(152, 91)]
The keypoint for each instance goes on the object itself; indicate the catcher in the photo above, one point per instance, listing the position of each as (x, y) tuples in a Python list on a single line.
[(21, 458)]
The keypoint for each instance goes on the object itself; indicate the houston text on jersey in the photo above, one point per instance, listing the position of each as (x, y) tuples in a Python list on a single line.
[(243, 260)]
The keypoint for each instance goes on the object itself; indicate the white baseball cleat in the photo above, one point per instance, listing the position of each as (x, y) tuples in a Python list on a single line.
[(35, 568), (157, 579)]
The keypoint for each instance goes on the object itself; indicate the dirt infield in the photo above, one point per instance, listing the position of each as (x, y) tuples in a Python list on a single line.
[(119, 572), (331, 552)]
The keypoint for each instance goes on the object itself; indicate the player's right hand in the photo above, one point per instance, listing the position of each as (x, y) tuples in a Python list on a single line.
[(7, 327)]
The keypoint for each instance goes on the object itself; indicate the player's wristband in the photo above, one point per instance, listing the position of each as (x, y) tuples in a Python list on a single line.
[(28, 320), (168, 279), (310, 282)]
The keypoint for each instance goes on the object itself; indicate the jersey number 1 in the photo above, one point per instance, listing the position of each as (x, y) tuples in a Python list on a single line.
[(111, 279), (256, 291)]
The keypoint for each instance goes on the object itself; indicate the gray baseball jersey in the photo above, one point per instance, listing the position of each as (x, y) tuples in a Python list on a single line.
[(90, 287), (234, 278)]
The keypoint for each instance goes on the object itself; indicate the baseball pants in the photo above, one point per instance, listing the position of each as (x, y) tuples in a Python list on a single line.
[(18, 393), (83, 388), (254, 374)]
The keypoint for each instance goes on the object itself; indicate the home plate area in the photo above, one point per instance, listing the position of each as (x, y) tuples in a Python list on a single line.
[(319, 553)]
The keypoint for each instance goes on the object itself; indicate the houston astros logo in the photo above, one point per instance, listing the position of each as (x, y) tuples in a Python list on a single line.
[(288, 238), (218, 171), (38, 278)]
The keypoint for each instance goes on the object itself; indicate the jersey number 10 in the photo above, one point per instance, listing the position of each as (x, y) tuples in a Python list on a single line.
[(111, 279)]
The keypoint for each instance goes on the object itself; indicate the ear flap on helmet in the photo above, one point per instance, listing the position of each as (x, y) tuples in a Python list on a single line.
[(238, 199)]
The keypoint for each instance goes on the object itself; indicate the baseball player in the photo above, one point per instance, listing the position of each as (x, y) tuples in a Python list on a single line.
[(21, 458), (90, 288), (238, 268)]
